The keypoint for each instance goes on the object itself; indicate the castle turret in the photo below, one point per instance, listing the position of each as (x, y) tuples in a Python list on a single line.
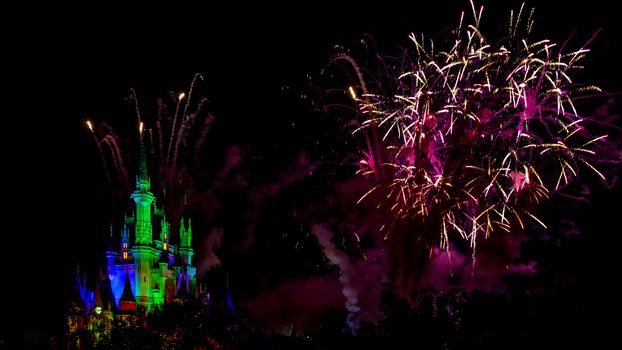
[(186, 252), (125, 243), (185, 236)]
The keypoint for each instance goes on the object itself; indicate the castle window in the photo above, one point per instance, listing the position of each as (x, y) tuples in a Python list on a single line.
[(124, 255), (165, 246), (124, 245)]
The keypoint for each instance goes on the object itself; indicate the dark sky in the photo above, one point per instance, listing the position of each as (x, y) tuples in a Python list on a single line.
[(70, 64)]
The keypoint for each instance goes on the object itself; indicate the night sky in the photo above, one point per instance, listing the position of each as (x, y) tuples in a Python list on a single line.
[(271, 164)]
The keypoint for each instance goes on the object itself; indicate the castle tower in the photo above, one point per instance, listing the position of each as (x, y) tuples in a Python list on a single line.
[(144, 199), (144, 254)]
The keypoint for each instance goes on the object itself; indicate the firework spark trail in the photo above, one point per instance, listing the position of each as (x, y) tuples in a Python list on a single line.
[(187, 119), (105, 165), (161, 112), (375, 153), (135, 98), (194, 79), (475, 137), (164, 174), (170, 142), (182, 137), (110, 140), (178, 137)]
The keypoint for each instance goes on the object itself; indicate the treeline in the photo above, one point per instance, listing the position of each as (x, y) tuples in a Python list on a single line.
[(428, 319)]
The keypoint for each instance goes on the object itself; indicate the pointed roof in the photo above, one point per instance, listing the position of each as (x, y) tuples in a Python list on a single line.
[(77, 301), (127, 301), (127, 295), (182, 291), (98, 296), (105, 293), (228, 298)]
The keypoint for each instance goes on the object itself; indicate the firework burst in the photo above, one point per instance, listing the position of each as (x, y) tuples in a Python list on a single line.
[(466, 141)]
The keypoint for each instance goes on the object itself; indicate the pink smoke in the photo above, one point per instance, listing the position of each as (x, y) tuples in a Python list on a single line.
[(299, 303), (293, 174), (360, 277), (207, 250)]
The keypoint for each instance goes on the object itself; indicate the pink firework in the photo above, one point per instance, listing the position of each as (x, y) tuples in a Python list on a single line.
[(468, 140)]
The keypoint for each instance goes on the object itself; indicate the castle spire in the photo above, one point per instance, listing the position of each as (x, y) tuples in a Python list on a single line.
[(185, 246), (165, 233), (110, 238), (143, 198), (143, 183), (185, 196), (185, 230), (125, 237)]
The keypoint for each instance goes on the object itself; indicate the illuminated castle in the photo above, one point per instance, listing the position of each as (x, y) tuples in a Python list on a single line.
[(145, 269)]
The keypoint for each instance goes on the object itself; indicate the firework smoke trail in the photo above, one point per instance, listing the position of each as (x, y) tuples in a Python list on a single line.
[(293, 174), (340, 258), (208, 250), (475, 136)]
